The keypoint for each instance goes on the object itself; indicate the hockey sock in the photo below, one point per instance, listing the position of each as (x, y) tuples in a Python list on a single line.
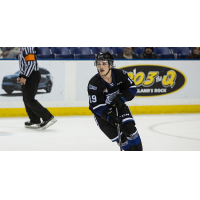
[(131, 133), (137, 147), (125, 144)]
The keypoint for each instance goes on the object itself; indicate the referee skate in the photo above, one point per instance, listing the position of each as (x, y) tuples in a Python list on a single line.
[(31, 125), (43, 125), (48, 123)]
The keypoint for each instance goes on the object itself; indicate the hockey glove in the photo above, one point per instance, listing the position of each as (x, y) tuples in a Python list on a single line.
[(113, 119), (119, 101)]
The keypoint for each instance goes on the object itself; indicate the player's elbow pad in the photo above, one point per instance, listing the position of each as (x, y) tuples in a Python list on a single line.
[(129, 95)]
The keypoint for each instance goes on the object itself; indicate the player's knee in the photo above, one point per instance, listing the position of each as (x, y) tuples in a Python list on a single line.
[(124, 141), (128, 128), (132, 134)]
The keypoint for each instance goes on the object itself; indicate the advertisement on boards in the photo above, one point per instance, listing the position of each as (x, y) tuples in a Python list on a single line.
[(51, 86), (155, 80)]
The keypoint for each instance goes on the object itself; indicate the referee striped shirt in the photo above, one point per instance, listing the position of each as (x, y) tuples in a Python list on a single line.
[(27, 61)]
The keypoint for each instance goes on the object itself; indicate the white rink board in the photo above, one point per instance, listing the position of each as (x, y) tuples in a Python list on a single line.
[(71, 79)]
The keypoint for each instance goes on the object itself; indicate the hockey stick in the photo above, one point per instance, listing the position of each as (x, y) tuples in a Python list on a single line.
[(118, 131)]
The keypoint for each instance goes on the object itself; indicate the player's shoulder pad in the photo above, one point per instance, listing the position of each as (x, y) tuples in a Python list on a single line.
[(124, 72), (93, 80), (119, 71), (92, 85)]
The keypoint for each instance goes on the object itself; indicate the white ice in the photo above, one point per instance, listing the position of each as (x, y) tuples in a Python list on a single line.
[(169, 132)]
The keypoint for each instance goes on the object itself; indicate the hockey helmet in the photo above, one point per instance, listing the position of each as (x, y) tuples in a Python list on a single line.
[(104, 56)]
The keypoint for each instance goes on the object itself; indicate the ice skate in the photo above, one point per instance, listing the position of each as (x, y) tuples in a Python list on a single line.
[(31, 125), (46, 124)]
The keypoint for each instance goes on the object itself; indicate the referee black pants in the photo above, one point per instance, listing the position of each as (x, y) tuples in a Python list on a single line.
[(34, 109)]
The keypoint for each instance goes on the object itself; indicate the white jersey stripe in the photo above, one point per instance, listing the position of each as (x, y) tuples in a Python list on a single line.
[(99, 106), (127, 119), (133, 86)]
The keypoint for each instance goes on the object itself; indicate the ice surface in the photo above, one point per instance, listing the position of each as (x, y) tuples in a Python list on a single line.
[(169, 132)]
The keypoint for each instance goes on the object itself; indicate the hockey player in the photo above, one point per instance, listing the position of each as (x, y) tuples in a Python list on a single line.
[(109, 88)]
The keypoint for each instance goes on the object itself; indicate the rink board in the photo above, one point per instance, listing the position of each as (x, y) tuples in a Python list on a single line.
[(66, 111), (70, 79)]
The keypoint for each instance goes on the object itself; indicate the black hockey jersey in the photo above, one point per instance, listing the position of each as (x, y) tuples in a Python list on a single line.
[(101, 93)]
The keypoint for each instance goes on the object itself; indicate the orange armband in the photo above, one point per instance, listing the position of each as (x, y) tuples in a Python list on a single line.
[(30, 57)]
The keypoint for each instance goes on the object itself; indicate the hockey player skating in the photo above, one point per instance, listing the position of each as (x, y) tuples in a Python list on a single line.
[(108, 89), (29, 78)]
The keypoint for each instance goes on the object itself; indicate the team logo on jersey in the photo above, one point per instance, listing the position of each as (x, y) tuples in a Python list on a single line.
[(105, 90), (91, 87), (155, 80), (110, 97)]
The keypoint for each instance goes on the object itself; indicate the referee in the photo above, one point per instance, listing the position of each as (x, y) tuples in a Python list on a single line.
[(29, 78)]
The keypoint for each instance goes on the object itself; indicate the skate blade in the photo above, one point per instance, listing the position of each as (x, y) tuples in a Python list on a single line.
[(33, 127), (53, 121)]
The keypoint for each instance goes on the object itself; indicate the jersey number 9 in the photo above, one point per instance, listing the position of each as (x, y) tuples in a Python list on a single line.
[(93, 99)]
